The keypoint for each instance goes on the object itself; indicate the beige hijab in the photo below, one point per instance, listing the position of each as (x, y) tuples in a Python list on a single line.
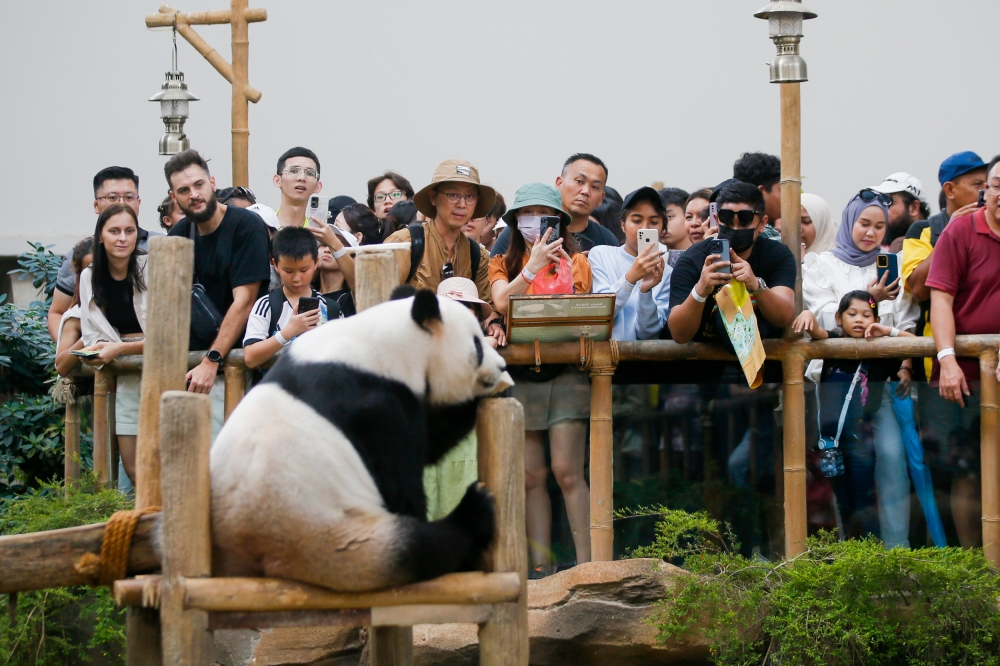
[(819, 213)]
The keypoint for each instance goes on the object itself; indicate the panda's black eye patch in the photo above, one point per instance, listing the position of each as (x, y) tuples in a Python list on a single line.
[(479, 351)]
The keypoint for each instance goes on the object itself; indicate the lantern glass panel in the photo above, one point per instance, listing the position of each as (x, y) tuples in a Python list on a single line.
[(174, 108), (785, 24)]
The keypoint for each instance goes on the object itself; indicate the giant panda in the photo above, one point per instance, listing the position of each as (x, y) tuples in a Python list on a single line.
[(317, 474)]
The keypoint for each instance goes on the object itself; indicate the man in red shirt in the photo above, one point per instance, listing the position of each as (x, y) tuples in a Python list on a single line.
[(965, 300)]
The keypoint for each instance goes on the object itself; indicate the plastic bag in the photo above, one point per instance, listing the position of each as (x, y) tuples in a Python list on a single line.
[(554, 279)]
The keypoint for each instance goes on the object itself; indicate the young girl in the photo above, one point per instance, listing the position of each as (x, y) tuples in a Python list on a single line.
[(855, 488)]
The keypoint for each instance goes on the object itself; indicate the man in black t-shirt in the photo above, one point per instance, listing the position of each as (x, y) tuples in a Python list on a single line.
[(230, 256)]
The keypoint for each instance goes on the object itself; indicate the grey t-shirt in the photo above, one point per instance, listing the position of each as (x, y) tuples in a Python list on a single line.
[(66, 280)]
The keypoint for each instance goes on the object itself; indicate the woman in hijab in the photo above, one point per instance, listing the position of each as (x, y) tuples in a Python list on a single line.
[(826, 277), (818, 234)]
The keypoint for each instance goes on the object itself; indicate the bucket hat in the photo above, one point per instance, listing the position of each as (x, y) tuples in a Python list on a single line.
[(456, 171), (536, 194), (464, 290)]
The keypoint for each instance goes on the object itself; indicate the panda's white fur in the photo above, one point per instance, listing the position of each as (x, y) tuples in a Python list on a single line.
[(316, 474)]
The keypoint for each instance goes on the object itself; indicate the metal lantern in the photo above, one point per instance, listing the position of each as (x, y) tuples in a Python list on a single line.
[(785, 28), (173, 98)]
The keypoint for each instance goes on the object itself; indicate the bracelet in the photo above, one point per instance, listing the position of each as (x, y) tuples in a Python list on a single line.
[(947, 351), (907, 368), (894, 333), (698, 297), (339, 253), (528, 276), (498, 322), (280, 338)]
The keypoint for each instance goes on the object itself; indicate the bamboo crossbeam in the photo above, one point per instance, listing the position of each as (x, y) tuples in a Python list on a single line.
[(212, 56), (165, 18), (48, 559)]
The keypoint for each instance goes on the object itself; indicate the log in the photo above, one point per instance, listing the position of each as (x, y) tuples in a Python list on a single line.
[(185, 437), (71, 454), (103, 387), (990, 457), (503, 638), (271, 594), (361, 617), (236, 386), (47, 559), (240, 81), (791, 180), (377, 276), (794, 426)]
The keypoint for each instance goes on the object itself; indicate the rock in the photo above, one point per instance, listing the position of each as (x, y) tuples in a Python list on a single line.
[(591, 614)]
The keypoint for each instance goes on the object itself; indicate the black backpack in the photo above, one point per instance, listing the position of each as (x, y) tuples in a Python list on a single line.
[(417, 251), (276, 299)]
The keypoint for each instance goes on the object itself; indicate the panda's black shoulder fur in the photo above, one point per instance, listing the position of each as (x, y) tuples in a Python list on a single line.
[(392, 429)]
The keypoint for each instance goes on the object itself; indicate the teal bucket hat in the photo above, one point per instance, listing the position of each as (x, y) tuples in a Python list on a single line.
[(536, 194)]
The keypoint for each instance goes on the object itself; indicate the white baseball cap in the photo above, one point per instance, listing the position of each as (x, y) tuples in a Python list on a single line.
[(902, 182), (267, 214)]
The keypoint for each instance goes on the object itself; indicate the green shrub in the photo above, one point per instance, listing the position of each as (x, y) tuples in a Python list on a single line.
[(839, 603), (66, 625)]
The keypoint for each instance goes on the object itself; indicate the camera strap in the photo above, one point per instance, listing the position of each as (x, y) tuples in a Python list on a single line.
[(847, 402)]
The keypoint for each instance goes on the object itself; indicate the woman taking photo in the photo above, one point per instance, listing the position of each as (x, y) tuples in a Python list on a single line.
[(113, 314), (557, 399)]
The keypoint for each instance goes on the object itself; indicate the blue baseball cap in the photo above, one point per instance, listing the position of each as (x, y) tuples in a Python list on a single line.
[(959, 164)]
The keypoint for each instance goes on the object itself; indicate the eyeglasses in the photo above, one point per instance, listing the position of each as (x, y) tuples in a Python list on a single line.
[(382, 196), (994, 188), (869, 196), (124, 198), (447, 271), (310, 174), (746, 217), (238, 192), (455, 197)]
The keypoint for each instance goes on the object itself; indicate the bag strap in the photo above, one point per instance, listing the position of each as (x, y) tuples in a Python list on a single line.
[(475, 255), (416, 248), (276, 299), (847, 402)]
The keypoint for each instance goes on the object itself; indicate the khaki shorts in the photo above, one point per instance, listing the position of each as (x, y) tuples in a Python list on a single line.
[(565, 398)]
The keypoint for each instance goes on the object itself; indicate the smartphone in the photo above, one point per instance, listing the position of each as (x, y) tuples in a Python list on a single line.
[(887, 263), (318, 206), (86, 353), (982, 198), (720, 246), (308, 304), (550, 222), (647, 237), (713, 215)]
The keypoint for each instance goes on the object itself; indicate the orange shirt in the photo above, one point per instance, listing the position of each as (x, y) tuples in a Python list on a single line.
[(583, 279)]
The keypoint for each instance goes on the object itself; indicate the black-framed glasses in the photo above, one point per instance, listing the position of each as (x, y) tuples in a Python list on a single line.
[(237, 192), (448, 271), (746, 217), (124, 198), (395, 195), (868, 196)]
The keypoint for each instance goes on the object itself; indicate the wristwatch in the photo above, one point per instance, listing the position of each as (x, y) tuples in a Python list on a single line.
[(214, 356), (761, 286)]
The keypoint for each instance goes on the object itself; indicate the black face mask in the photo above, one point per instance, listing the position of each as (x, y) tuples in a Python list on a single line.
[(740, 240)]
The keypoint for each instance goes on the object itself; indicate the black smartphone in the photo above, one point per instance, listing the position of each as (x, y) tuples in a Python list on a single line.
[(720, 246), (982, 198), (550, 222), (887, 263), (308, 304)]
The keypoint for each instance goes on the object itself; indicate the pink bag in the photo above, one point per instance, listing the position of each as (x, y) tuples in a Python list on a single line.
[(554, 279)]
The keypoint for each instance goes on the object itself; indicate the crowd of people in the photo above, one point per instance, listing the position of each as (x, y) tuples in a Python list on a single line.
[(267, 276)]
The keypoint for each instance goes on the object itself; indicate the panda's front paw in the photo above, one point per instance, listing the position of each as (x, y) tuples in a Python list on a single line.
[(475, 516)]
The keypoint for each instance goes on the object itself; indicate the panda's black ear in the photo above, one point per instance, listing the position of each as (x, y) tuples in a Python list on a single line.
[(402, 291), (425, 308)]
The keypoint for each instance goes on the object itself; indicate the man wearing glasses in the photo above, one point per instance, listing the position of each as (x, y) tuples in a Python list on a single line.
[(298, 179), (386, 191), (111, 185)]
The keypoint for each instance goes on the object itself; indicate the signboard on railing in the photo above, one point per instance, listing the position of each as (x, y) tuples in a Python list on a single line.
[(561, 318)]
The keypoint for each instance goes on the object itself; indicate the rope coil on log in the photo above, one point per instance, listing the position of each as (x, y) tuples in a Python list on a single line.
[(112, 563)]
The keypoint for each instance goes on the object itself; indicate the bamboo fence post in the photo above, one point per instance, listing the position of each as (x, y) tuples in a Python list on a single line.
[(794, 426), (236, 386), (71, 450), (241, 106), (377, 276), (602, 532), (791, 179), (164, 359), (102, 431), (503, 639), (185, 439), (990, 456)]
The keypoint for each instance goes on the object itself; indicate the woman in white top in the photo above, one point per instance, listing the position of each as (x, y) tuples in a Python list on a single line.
[(826, 277), (113, 313), (818, 231)]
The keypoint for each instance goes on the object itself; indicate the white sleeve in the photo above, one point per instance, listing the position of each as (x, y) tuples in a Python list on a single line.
[(259, 322), (819, 294), (605, 280)]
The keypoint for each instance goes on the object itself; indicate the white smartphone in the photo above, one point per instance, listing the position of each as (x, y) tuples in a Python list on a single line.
[(647, 237), (318, 206)]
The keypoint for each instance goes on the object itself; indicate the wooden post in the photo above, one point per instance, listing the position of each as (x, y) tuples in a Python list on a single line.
[(241, 106), (236, 386), (794, 425), (171, 266), (185, 439), (102, 429), (602, 533), (71, 455), (791, 179), (990, 456), (503, 639), (377, 276)]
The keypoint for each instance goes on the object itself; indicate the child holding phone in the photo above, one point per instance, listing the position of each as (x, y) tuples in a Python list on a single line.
[(277, 319)]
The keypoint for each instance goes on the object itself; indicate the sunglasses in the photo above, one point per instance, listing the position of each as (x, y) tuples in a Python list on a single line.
[(238, 192), (869, 196), (746, 217), (447, 271)]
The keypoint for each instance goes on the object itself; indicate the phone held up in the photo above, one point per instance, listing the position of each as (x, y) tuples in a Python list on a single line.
[(550, 222), (646, 238), (310, 303), (982, 198), (720, 246), (887, 263), (318, 206), (713, 215)]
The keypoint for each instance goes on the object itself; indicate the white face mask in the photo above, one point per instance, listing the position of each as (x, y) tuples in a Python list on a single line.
[(529, 226)]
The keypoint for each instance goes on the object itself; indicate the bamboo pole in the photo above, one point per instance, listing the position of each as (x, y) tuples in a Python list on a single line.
[(794, 418), (71, 450), (377, 276), (602, 533), (214, 59), (185, 437), (236, 386), (241, 108), (990, 456), (791, 179), (165, 18), (102, 430), (503, 638)]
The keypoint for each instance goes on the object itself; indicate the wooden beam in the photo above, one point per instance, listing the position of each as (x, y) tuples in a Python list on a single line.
[(990, 456), (377, 276), (71, 450), (602, 533), (794, 445), (104, 385), (240, 81), (791, 180), (165, 18), (355, 617), (214, 59), (236, 387)]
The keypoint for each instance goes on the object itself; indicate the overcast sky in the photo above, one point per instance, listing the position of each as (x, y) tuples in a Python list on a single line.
[(665, 90)]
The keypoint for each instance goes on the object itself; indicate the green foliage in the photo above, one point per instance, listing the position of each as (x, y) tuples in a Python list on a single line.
[(31, 443), (839, 603), (27, 353), (43, 267), (66, 625)]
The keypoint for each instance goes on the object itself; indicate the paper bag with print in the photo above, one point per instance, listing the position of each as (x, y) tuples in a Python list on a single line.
[(741, 326)]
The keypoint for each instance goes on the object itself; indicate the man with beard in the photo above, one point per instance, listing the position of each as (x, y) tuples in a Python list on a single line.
[(908, 206), (230, 260)]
